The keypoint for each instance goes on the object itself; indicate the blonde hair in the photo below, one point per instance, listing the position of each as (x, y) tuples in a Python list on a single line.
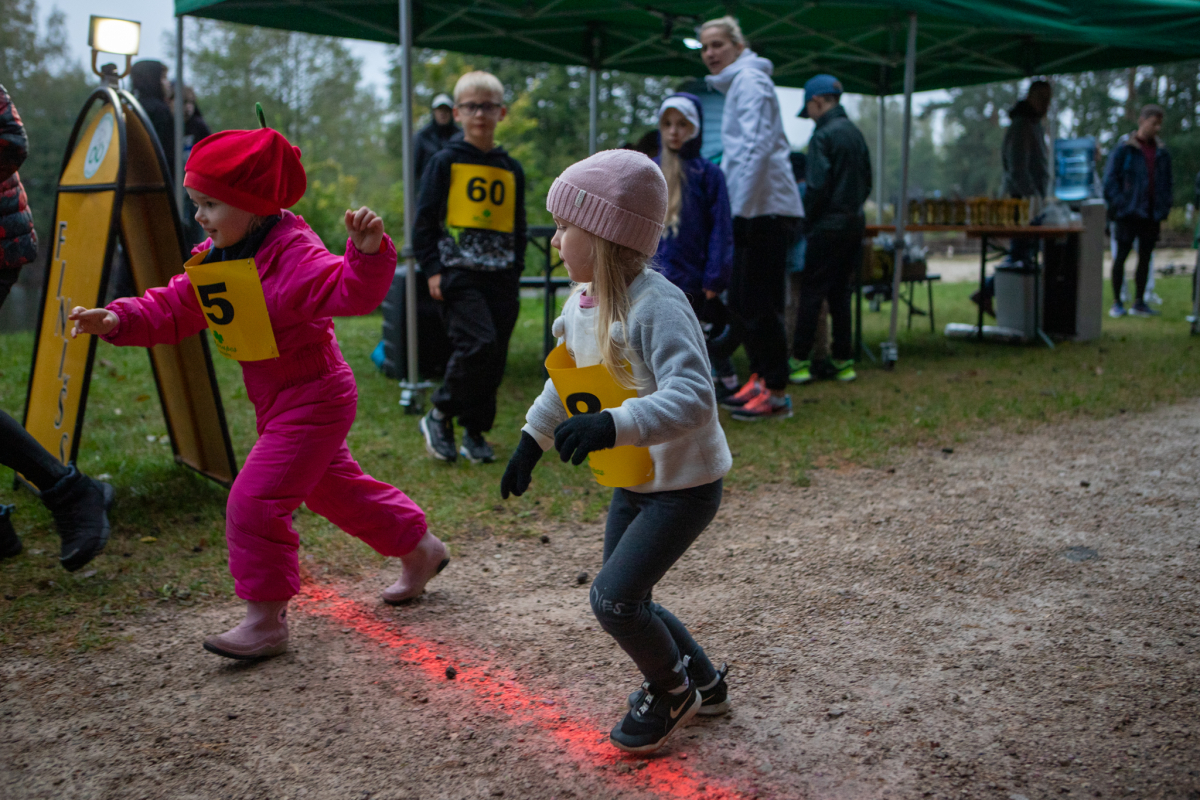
[(672, 170), (481, 81), (614, 268), (728, 25)]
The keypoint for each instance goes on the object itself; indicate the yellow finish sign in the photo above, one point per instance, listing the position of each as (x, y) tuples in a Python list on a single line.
[(481, 197), (231, 297), (588, 390)]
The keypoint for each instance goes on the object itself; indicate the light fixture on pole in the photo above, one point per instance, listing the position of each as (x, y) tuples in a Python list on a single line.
[(111, 35)]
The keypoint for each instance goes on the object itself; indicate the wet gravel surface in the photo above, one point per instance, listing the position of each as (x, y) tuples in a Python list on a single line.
[(1019, 618)]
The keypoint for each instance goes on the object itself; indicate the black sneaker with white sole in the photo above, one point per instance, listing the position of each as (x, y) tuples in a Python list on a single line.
[(439, 437), (647, 725), (714, 698), (476, 449)]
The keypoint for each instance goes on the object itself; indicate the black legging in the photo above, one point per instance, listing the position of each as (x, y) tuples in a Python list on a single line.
[(18, 449), (1145, 231)]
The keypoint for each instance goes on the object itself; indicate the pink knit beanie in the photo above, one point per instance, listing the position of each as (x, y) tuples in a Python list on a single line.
[(619, 195)]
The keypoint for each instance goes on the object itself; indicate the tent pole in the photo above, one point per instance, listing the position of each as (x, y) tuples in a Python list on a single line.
[(593, 102), (410, 395), (178, 143), (890, 352), (879, 145)]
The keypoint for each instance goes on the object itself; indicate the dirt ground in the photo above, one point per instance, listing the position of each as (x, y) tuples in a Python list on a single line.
[(1015, 619)]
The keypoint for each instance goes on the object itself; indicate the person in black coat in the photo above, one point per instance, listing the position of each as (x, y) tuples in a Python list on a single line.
[(153, 91), (436, 135)]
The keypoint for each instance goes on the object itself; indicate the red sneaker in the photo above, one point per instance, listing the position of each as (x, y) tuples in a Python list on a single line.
[(764, 407), (750, 390)]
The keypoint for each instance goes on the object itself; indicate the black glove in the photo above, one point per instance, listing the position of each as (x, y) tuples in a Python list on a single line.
[(519, 471), (583, 434)]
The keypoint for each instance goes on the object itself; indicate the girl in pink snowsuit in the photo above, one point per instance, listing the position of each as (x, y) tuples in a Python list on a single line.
[(304, 399)]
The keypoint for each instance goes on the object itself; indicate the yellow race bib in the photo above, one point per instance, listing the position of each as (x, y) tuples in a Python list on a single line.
[(588, 390), (481, 197), (231, 298)]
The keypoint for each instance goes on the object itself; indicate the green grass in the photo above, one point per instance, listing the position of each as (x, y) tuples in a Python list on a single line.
[(943, 392)]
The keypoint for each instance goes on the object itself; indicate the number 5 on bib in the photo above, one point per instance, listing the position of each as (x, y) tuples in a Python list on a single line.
[(232, 301), (481, 197)]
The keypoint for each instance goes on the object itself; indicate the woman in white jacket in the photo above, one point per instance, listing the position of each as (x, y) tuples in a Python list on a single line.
[(766, 210)]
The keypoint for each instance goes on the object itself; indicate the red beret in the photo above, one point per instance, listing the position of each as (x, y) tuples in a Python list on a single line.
[(257, 171)]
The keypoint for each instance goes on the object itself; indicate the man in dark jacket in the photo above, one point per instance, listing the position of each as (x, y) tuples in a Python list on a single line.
[(78, 503), (153, 91), (837, 183), (434, 136), (1138, 190), (1023, 155)]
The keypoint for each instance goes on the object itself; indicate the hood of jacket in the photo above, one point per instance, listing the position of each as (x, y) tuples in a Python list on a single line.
[(1025, 109), (691, 148), (146, 79), (461, 146), (747, 60)]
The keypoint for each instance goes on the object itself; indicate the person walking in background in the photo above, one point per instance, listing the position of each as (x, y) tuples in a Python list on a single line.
[(1026, 162), (194, 129), (766, 212), (469, 239), (696, 250), (436, 135), (78, 503), (1138, 190), (154, 91), (837, 183), (795, 266)]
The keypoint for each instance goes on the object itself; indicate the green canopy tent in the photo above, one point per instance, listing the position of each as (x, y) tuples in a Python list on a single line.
[(873, 46)]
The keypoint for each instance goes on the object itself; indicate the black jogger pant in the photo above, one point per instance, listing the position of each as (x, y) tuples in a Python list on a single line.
[(480, 311), (645, 535), (757, 293), (1145, 231), (830, 264)]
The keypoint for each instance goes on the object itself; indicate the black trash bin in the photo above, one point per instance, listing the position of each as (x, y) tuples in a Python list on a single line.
[(433, 347)]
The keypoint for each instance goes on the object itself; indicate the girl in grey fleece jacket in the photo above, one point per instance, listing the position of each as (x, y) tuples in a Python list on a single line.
[(610, 210)]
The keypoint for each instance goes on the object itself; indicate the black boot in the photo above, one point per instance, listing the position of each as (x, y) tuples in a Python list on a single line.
[(79, 505), (10, 543)]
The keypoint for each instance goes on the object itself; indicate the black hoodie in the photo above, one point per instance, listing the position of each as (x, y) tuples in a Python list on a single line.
[(487, 189), (146, 79)]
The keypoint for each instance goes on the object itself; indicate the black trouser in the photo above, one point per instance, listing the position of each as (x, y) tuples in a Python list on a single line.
[(1125, 231), (645, 535), (830, 264), (480, 311), (757, 294), (18, 449)]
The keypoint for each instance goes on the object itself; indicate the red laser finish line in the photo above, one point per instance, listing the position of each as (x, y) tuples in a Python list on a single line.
[(579, 742)]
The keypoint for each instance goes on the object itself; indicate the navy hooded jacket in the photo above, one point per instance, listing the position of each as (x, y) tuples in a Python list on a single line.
[(1127, 181), (699, 256)]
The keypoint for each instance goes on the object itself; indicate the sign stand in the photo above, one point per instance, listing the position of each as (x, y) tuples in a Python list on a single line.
[(115, 186)]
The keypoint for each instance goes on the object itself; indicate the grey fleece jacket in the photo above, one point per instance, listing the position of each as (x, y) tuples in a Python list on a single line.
[(675, 412)]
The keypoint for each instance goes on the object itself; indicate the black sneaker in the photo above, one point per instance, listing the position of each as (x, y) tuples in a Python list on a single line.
[(439, 437), (648, 725), (714, 698), (1140, 309), (476, 449), (10, 543), (80, 508)]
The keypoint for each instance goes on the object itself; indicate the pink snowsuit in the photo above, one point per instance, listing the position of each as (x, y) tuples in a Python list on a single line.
[(304, 402)]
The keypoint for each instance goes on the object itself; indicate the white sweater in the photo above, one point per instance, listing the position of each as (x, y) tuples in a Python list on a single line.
[(675, 412)]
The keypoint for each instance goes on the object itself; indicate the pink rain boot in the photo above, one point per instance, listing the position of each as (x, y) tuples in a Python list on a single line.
[(428, 559), (262, 634)]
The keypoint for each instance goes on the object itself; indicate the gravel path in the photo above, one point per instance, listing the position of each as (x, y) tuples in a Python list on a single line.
[(1016, 619)]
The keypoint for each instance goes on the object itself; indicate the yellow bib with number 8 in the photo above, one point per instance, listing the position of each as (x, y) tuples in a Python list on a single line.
[(231, 299), (481, 197)]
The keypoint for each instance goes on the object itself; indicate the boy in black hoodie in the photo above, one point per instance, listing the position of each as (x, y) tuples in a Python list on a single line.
[(469, 239)]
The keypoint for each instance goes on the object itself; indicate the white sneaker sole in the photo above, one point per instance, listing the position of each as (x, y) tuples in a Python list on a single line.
[(429, 448)]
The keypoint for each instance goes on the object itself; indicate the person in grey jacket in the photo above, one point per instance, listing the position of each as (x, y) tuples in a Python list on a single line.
[(610, 211), (766, 213), (1023, 155)]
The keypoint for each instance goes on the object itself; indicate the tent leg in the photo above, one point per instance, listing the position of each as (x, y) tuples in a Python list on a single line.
[(890, 351), (593, 110), (879, 158), (411, 390), (178, 143)]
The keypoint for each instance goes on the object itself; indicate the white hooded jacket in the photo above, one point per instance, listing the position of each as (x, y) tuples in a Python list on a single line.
[(757, 170)]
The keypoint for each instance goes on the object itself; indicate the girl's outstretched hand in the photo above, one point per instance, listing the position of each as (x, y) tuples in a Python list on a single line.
[(365, 229), (96, 321), (583, 434), (519, 471)]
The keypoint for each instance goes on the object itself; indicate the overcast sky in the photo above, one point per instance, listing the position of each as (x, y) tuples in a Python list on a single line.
[(158, 31)]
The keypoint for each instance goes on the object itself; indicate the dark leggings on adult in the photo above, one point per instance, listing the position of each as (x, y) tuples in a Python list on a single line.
[(645, 535), (1126, 230), (19, 450)]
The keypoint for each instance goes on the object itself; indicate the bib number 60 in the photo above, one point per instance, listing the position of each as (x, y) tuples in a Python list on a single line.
[(478, 191), (222, 305)]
